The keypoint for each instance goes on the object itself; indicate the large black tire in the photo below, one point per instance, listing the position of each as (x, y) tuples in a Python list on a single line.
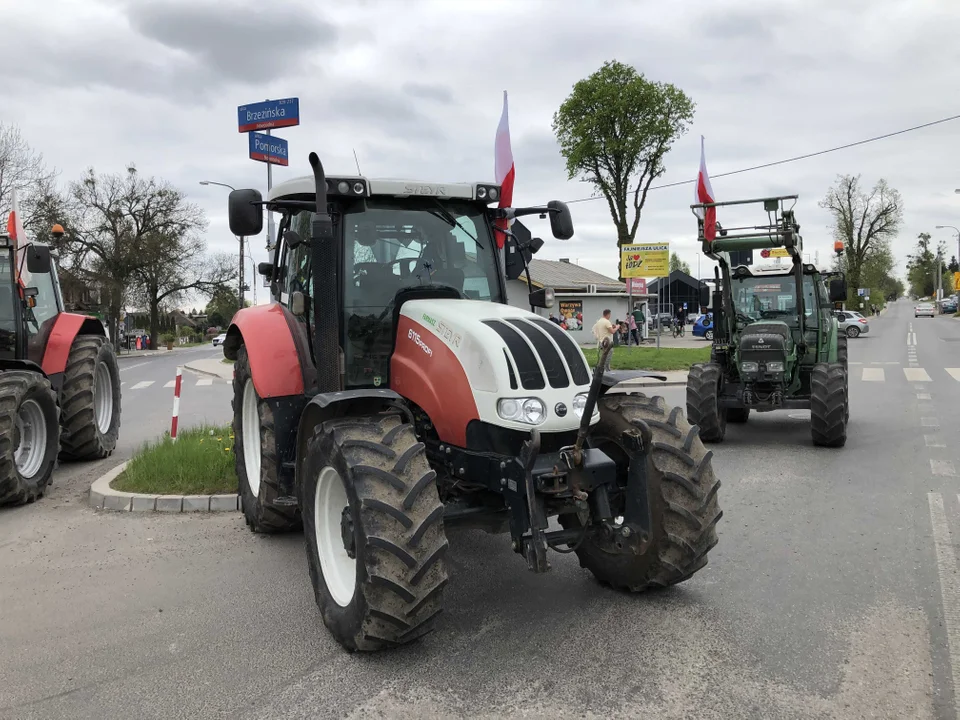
[(703, 408), (738, 415), (20, 390), (681, 495), (90, 400), (842, 358), (393, 522), (828, 405), (260, 509)]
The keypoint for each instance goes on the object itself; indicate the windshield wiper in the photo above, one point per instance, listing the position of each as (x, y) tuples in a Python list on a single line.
[(445, 215)]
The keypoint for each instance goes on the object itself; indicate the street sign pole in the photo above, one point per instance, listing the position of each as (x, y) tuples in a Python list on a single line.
[(269, 214)]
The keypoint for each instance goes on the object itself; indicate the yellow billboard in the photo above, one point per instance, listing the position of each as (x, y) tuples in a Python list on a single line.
[(645, 260), (956, 281)]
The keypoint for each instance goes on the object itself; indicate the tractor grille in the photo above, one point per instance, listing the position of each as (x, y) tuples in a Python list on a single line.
[(538, 339)]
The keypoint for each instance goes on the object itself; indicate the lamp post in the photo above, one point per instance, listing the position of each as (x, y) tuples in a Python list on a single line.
[(239, 237)]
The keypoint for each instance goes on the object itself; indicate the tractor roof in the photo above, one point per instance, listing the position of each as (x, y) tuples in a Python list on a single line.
[(359, 186), (772, 270)]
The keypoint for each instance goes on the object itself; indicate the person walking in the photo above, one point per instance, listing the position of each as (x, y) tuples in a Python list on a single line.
[(601, 331), (632, 330), (640, 319), (681, 320)]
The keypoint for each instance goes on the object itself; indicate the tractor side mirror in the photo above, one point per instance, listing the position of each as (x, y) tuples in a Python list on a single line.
[(838, 289), (38, 259), (292, 239), (535, 244), (704, 296), (542, 298), (560, 221), (245, 212), (265, 269)]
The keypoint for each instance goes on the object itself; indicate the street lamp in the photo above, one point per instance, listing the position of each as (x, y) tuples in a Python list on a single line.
[(239, 237)]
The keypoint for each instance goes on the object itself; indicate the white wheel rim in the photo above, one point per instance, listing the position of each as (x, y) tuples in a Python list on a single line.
[(339, 569), (32, 444), (103, 397), (250, 418)]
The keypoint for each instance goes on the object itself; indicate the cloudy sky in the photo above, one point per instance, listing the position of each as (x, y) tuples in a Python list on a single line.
[(415, 87)]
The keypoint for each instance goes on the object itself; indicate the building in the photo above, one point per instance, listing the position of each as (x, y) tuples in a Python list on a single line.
[(671, 293), (581, 295)]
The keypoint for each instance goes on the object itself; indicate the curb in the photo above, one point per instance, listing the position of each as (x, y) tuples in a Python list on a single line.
[(199, 371), (104, 497)]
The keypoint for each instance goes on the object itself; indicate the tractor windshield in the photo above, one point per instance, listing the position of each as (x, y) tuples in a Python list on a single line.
[(774, 298), (8, 315), (390, 244)]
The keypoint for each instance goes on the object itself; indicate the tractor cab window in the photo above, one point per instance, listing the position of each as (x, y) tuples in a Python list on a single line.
[(390, 245), (775, 298), (8, 316)]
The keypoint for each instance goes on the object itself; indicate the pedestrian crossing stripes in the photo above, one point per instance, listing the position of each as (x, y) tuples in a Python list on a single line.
[(144, 384), (912, 374)]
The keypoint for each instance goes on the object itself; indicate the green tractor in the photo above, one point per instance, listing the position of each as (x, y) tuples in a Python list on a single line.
[(776, 344)]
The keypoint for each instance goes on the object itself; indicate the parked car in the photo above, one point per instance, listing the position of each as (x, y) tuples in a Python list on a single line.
[(218, 340), (703, 327), (949, 306), (924, 309), (853, 324), (666, 320)]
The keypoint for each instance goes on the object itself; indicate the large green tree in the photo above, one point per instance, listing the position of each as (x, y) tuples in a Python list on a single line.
[(922, 267), (614, 130), (677, 264)]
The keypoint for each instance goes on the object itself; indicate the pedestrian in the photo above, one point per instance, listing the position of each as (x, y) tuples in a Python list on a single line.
[(640, 319), (616, 333), (602, 331), (632, 330)]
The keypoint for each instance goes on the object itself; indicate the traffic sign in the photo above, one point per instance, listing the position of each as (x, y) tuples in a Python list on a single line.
[(269, 114), (956, 281), (269, 149), (775, 253)]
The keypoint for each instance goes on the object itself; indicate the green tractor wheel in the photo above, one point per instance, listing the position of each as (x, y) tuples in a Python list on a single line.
[(703, 401)]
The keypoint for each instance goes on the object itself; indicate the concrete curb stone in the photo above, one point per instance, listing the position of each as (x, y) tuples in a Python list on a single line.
[(104, 497)]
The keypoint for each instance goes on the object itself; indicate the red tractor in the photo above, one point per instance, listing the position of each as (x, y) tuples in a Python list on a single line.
[(59, 380), (389, 393)]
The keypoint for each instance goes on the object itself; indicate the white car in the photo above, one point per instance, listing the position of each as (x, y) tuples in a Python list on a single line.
[(218, 340), (924, 309)]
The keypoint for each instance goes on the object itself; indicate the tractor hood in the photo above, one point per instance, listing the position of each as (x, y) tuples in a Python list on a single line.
[(504, 352)]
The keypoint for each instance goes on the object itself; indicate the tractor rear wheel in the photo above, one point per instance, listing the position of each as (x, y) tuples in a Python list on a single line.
[(373, 527), (255, 456), (90, 400), (842, 359), (29, 436), (681, 494), (828, 405), (703, 401)]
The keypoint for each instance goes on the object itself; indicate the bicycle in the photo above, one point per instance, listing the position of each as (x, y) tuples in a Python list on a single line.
[(678, 329)]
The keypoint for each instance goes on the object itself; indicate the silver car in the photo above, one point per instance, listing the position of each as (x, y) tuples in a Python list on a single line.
[(853, 324), (924, 309)]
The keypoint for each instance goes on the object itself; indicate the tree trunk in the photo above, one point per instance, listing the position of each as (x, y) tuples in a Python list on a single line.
[(154, 319)]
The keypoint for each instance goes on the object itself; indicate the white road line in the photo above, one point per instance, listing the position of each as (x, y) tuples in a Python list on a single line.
[(913, 337), (954, 373), (854, 363), (204, 381), (949, 582), (924, 396), (873, 375), (943, 468), (142, 384), (916, 374), (934, 441), (170, 384), (910, 327), (930, 422), (131, 367), (891, 363)]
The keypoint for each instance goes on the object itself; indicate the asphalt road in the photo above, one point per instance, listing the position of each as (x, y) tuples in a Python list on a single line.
[(833, 591)]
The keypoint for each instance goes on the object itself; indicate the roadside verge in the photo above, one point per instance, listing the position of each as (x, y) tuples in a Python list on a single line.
[(104, 497)]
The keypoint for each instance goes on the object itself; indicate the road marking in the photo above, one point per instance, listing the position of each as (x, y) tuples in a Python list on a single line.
[(949, 581), (854, 363), (934, 441), (920, 387), (873, 374), (204, 381), (170, 384), (943, 468), (954, 373), (924, 396), (929, 422), (142, 384), (911, 339), (891, 363), (131, 367), (916, 374)]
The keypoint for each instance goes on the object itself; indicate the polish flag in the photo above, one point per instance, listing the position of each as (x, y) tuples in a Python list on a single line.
[(704, 194), (15, 221), (503, 169)]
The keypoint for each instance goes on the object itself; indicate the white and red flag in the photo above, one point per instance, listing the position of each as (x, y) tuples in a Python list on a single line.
[(503, 169), (15, 221), (704, 194)]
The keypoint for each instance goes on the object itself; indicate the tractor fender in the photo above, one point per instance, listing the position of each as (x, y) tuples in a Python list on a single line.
[(64, 331), (277, 347), (326, 406)]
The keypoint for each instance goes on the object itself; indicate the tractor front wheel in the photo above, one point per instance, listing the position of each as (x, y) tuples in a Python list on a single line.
[(681, 494), (828, 405), (255, 456), (90, 400), (703, 401), (373, 528), (29, 436)]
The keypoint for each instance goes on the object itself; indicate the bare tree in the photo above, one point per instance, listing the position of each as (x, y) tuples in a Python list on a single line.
[(117, 216), (863, 221), (25, 171)]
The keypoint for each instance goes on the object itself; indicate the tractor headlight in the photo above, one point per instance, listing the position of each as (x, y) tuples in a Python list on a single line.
[(579, 404), (530, 411), (775, 367), (749, 367)]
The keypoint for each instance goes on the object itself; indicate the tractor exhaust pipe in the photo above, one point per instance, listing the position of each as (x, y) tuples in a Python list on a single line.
[(324, 257)]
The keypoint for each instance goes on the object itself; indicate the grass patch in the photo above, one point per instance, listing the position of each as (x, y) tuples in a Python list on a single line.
[(227, 361), (646, 358), (200, 462)]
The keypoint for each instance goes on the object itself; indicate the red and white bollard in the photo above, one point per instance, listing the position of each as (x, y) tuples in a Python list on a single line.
[(176, 405)]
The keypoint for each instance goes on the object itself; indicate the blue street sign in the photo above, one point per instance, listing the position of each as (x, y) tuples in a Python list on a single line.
[(269, 114), (268, 149)]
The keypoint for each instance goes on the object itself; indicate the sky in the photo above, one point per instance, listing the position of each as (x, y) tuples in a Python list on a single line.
[(415, 88)]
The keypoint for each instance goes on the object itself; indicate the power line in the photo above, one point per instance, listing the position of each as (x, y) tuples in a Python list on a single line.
[(789, 160)]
